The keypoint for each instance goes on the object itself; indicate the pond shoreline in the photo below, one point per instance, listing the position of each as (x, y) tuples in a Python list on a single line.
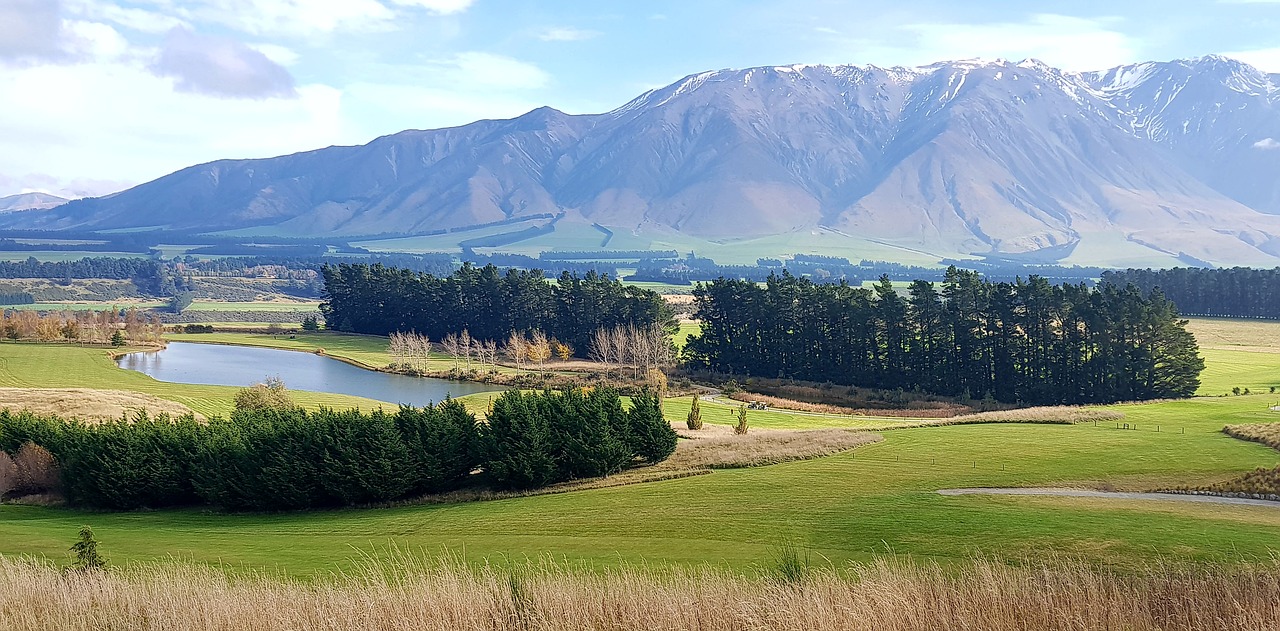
[(202, 363)]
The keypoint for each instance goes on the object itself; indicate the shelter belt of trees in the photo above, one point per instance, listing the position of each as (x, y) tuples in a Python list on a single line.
[(1026, 341), (485, 302), (1237, 292)]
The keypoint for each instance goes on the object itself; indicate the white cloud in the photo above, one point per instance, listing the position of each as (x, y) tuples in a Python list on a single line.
[(1267, 144), (292, 17), (31, 29), (567, 34), (1066, 42), (1267, 59), (220, 67), (1062, 41), (132, 18), (138, 127), (442, 7), (282, 55), (488, 71)]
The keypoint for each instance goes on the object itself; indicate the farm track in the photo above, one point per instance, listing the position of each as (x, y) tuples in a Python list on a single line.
[(1114, 495)]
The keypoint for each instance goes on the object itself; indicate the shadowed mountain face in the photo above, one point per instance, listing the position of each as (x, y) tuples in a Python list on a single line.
[(967, 157)]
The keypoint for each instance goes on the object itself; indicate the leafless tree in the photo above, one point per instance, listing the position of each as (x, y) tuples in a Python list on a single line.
[(515, 349), (465, 346), (488, 351), (453, 348)]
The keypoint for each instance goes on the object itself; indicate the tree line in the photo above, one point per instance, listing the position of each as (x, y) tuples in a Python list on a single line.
[(1024, 342), (285, 458), (486, 302), (1236, 292), (85, 326)]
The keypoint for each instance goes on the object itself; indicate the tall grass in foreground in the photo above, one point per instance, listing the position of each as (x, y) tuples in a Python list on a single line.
[(885, 595)]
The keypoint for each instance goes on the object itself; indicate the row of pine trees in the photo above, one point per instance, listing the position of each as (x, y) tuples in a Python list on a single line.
[(487, 303), (1240, 292), (1026, 342), (269, 459)]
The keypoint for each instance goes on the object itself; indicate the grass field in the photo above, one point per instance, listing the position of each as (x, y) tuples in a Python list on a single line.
[(850, 506), (199, 305), (1238, 353)]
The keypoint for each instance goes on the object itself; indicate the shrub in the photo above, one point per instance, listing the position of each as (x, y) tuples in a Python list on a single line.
[(268, 395), (8, 474), (741, 428), (35, 471), (86, 549), (695, 414)]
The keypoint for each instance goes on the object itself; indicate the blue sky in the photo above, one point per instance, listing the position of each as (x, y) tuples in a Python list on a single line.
[(98, 95)]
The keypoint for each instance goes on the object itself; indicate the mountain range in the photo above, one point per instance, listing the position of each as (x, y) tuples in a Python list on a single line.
[(1015, 160), (30, 201)]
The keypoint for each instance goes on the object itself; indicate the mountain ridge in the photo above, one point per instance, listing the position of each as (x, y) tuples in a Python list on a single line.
[(968, 157)]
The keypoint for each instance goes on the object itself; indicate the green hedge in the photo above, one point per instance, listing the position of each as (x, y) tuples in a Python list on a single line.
[(270, 460)]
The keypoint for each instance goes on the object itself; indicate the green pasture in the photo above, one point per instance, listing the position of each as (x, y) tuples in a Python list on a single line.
[(875, 499), (199, 305), (85, 306), (56, 256), (686, 330), (1227, 369)]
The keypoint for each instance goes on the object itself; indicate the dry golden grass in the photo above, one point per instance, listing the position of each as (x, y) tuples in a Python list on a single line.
[(1265, 433), (420, 594), (717, 447), (1258, 336), (88, 404), (713, 447), (1055, 414)]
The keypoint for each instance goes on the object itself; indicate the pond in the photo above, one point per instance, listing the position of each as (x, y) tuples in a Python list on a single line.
[(221, 365)]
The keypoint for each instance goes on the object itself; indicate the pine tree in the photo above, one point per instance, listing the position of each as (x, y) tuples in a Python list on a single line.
[(695, 415), (651, 436), (87, 556), (117, 338)]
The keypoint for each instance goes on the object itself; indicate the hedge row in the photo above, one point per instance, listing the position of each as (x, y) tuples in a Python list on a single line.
[(293, 459)]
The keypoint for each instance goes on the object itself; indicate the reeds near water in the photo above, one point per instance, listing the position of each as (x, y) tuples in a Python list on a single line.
[(417, 593)]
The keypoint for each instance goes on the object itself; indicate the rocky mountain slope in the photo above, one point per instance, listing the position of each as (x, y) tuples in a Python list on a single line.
[(1008, 159)]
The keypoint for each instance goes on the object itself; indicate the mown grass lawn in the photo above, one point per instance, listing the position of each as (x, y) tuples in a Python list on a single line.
[(875, 499)]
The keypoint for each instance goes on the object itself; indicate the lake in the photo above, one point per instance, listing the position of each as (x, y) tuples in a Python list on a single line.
[(222, 365)]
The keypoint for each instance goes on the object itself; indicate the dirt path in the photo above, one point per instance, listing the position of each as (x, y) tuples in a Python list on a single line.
[(1116, 495)]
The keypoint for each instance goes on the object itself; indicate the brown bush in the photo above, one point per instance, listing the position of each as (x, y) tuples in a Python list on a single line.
[(8, 474), (269, 395), (718, 447), (1265, 433), (36, 471)]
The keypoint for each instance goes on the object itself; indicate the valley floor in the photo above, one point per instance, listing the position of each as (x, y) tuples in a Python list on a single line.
[(878, 498)]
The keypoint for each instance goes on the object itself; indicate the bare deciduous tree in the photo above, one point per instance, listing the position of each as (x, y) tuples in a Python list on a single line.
[(453, 348), (515, 349)]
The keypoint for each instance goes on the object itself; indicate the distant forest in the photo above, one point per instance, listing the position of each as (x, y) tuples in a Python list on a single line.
[(487, 302), (1027, 342), (1242, 292)]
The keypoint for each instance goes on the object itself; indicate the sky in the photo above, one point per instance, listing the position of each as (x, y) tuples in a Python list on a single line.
[(100, 95)]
